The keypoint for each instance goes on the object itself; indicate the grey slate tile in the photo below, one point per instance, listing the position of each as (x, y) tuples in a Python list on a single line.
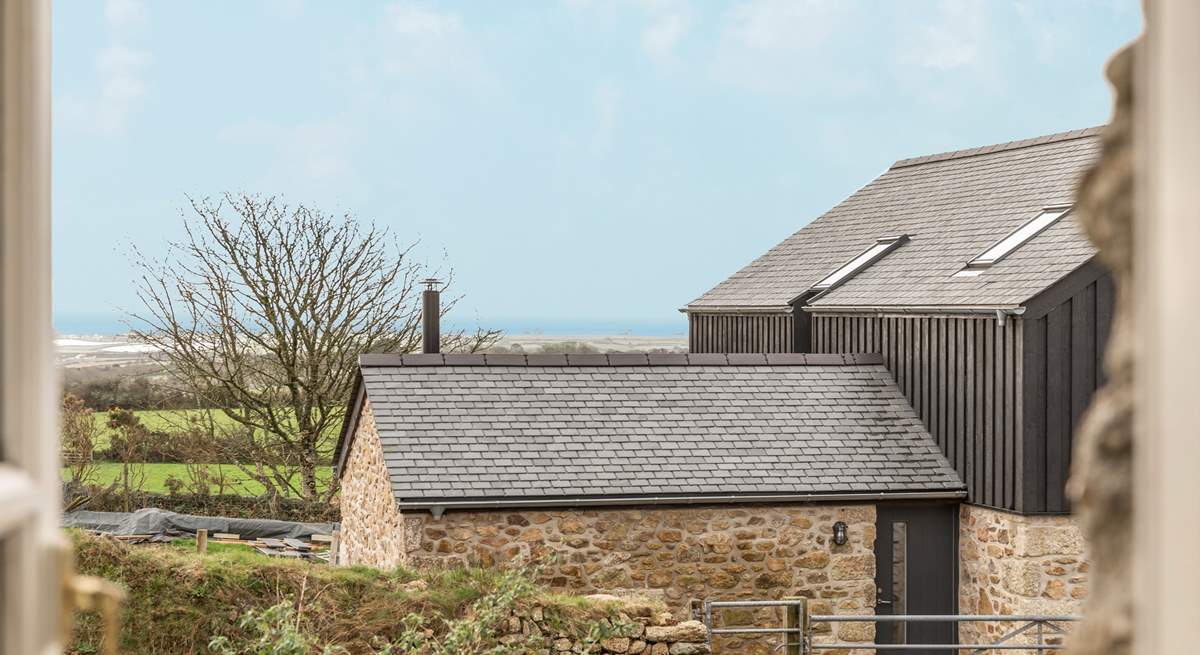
[(953, 206), (546, 431)]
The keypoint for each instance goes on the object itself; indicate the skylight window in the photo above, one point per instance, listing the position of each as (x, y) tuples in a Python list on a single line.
[(1002, 248), (852, 267)]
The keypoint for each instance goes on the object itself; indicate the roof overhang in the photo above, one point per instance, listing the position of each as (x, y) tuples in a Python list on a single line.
[(441, 505), (904, 310), (737, 309)]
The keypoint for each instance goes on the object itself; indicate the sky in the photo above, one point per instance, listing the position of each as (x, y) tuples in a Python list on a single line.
[(585, 167)]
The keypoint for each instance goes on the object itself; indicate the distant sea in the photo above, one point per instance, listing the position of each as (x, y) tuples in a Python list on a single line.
[(111, 324)]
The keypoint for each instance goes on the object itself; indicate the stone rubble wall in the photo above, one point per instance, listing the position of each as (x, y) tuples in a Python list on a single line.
[(678, 554), (1014, 564), (645, 633), (370, 530)]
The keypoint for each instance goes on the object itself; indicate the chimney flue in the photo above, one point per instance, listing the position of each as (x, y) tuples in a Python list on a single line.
[(431, 335)]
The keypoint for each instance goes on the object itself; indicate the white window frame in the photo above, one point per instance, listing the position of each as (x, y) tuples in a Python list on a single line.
[(1047, 218), (30, 483), (859, 262)]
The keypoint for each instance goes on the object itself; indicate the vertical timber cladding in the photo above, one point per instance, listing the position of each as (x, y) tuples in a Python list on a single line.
[(1063, 357), (963, 377), (739, 333)]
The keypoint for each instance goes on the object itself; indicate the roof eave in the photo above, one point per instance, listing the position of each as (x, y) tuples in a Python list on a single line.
[(736, 309), (1009, 309), (439, 505)]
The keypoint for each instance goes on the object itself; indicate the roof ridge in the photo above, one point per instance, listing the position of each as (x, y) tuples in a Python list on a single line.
[(999, 147), (621, 359)]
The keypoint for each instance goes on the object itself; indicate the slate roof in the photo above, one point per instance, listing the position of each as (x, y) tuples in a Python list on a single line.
[(572, 426), (953, 206)]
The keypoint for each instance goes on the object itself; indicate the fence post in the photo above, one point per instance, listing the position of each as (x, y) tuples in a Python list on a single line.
[(201, 541), (335, 544), (795, 619)]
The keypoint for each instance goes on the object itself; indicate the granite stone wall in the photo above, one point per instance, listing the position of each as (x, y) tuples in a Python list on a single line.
[(371, 530), (1014, 564), (677, 554)]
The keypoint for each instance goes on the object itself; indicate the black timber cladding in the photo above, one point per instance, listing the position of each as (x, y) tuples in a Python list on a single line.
[(541, 427), (961, 375), (1001, 399), (740, 333), (1063, 365)]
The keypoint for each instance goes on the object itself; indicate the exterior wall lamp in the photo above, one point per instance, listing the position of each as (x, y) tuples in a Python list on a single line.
[(839, 533)]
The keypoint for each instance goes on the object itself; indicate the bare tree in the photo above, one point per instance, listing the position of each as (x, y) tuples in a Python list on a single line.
[(129, 442), (78, 434), (263, 310)]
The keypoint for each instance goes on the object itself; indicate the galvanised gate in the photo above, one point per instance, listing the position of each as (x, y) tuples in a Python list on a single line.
[(1031, 633)]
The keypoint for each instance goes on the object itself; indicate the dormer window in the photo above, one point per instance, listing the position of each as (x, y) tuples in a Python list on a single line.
[(863, 260), (1003, 247)]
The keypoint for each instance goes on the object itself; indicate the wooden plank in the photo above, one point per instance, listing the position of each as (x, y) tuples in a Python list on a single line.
[(921, 369), (989, 404), (981, 405), (321, 538), (1058, 404), (226, 536), (1083, 355), (969, 399), (297, 544), (1005, 399), (1019, 457), (958, 400), (937, 382), (1105, 298), (1033, 419)]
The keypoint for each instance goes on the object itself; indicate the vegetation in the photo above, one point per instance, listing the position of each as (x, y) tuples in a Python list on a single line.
[(78, 439), (166, 478), (243, 602), (263, 309)]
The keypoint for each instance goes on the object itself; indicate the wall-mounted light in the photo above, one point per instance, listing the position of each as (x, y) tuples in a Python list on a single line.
[(839, 533)]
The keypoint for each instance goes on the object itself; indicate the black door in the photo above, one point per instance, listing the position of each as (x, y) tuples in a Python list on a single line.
[(916, 572)]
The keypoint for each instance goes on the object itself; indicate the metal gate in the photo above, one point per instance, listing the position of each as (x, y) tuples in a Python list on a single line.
[(798, 637)]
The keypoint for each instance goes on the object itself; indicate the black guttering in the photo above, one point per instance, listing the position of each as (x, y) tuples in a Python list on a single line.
[(441, 505)]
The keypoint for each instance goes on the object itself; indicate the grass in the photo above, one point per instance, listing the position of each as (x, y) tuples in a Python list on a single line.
[(179, 600), (157, 474), (174, 420)]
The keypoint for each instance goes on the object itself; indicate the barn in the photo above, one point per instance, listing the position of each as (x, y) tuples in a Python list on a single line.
[(876, 413), (967, 273)]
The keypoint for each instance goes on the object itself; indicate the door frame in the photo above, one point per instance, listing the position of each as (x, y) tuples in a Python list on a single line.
[(30, 482)]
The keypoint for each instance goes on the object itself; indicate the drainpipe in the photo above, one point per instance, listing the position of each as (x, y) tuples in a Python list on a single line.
[(431, 301), (1003, 314)]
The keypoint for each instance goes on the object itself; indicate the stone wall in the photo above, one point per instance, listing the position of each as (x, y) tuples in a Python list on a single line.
[(1014, 564), (636, 631), (678, 554), (370, 531)]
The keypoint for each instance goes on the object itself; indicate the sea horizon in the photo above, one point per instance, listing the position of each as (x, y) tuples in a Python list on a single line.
[(111, 325)]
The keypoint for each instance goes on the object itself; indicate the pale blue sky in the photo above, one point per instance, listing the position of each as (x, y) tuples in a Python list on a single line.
[(584, 165)]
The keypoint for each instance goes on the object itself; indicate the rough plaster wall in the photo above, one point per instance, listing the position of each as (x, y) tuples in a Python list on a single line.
[(679, 553), (1101, 479), (371, 533), (1014, 564)]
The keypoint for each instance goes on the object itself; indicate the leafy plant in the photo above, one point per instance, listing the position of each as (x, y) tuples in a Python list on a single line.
[(278, 633)]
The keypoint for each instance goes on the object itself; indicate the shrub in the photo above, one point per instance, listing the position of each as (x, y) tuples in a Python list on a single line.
[(178, 602)]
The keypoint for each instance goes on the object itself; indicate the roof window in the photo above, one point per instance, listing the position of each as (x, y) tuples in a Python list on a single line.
[(1003, 247), (863, 260)]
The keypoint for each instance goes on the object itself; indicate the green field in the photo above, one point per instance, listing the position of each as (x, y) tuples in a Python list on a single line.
[(157, 474), (172, 420)]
